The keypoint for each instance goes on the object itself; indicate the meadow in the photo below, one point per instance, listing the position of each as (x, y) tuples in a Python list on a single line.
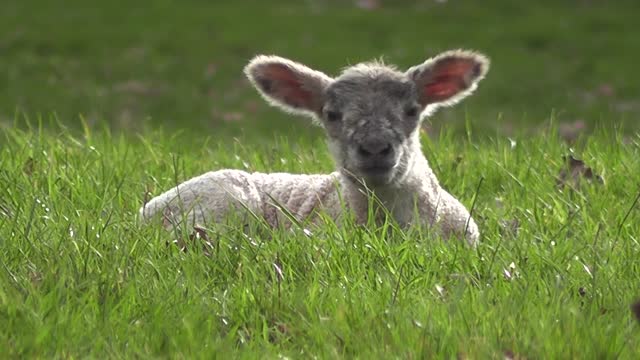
[(104, 104)]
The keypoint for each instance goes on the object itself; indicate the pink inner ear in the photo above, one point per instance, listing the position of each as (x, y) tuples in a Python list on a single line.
[(286, 86), (449, 77)]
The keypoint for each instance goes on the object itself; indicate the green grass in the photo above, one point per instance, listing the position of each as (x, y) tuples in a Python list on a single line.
[(81, 278), (124, 99), (180, 62)]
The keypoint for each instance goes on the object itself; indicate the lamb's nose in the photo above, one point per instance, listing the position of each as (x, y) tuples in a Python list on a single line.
[(375, 148)]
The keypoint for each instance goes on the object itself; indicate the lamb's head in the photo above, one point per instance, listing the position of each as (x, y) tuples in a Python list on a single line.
[(371, 112)]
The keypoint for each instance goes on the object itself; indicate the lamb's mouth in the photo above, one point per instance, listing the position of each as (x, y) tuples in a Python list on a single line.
[(378, 174), (376, 170), (371, 174)]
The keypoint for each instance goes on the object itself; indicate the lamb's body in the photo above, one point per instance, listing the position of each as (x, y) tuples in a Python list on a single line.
[(213, 196), (372, 115), (216, 195)]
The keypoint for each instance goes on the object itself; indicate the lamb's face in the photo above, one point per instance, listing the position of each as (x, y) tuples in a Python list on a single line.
[(370, 113)]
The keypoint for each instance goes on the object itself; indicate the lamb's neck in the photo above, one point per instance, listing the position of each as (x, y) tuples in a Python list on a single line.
[(418, 182), (417, 188)]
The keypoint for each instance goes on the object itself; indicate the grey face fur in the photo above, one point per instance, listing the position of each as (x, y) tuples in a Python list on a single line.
[(371, 112)]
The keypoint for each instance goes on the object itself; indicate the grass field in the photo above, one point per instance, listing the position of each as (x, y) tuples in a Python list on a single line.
[(99, 106), (180, 63)]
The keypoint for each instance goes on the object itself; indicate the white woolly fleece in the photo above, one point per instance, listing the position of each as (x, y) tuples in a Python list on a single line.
[(213, 196)]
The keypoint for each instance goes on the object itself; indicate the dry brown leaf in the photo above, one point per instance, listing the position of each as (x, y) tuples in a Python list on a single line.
[(278, 331), (198, 236), (574, 171), (510, 355), (28, 166), (582, 292), (509, 227), (635, 308)]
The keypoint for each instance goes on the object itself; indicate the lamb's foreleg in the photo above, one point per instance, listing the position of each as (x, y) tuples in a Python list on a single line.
[(454, 218), (205, 199)]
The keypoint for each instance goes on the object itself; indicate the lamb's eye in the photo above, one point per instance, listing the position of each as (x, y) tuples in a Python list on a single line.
[(411, 111), (334, 116)]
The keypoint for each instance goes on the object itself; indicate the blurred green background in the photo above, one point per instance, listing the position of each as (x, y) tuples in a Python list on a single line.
[(178, 64)]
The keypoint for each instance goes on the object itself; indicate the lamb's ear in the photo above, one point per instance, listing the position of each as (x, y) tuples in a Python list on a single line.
[(449, 77), (288, 85)]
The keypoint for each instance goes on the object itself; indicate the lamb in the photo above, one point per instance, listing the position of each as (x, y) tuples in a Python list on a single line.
[(371, 114)]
